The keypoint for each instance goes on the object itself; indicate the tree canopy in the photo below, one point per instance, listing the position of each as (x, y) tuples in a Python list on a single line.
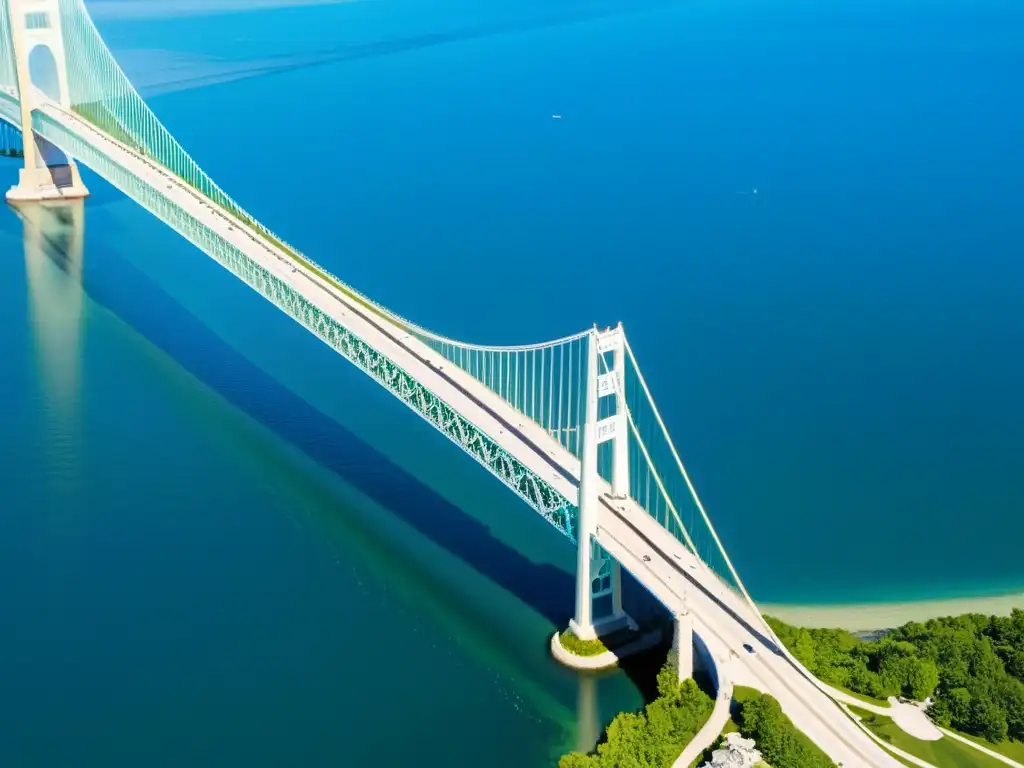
[(972, 666), (655, 737)]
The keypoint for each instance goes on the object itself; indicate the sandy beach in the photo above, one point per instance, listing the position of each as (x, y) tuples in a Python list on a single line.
[(871, 616)]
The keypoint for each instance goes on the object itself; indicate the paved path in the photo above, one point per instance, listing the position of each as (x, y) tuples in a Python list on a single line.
[(708, 735), (913, 720)]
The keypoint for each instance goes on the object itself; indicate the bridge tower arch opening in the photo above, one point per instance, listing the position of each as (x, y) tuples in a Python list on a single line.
[(599, 577), (45, 76), (42, 77), (42, 68)]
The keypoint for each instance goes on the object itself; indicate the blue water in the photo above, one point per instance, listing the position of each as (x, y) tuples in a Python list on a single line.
[(202, 567), (835, 354), (220, 539)]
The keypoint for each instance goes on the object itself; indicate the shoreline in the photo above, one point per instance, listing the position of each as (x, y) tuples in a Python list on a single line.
[(869, 617)]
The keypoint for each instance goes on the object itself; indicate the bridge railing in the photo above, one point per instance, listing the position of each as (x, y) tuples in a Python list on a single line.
[(543, 381), (8, 72), (102, 94)]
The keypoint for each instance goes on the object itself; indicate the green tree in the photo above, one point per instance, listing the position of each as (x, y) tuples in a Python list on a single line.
[(578, 760), (971, 665), (628, 744), (897, 659), (922, 679), (803, 649), (655, 737), (938, 711), (959, 704), (675, 717), (1012, 691), (863, 680), (989, 720), (669, 686), (1013, 660)]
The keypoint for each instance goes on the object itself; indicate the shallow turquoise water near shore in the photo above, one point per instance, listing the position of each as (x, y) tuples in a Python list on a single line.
[(216, 534)]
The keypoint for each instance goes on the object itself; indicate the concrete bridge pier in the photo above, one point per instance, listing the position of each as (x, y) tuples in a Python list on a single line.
[(44, 182), (682, 643), (48, 173)]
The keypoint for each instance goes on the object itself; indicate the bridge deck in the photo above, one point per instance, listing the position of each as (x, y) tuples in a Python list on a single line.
[(721, 617)]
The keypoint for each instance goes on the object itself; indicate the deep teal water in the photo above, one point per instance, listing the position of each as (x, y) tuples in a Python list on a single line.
[(221, 545), (203, 567)]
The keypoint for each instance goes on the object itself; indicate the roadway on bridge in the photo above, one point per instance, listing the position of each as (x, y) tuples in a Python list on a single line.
[(721, 617), (725, 623)]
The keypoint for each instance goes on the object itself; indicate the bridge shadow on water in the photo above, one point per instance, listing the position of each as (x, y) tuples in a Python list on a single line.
[(140, 303), (143, 305)]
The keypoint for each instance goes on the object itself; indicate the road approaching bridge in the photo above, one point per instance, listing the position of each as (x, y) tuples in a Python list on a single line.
[(568, 425)]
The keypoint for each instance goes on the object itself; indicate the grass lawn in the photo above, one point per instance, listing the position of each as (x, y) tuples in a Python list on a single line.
[(945, 753), (899, 759), (1011, 749), (741, 693), (596, 647), (860, 712), (573, 644)]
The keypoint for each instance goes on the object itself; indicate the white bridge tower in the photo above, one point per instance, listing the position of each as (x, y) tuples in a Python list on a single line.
[(36, 38), (598, 577)]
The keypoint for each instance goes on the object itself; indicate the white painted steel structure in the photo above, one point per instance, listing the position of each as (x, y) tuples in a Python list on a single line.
[(574, 434)]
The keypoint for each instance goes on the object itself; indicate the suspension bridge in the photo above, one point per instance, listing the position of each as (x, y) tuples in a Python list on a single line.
[(569, 425)]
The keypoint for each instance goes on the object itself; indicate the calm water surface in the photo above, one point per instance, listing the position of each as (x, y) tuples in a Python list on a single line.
[(222, 545)]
